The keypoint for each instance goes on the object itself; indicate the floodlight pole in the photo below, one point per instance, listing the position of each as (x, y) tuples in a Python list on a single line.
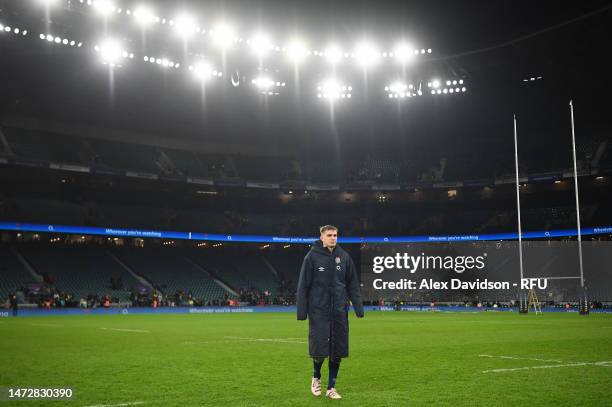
[(571, 104)]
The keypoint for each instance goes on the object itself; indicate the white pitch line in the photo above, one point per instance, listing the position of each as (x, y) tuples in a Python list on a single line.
[(519, 358), (126, 330), (604, 363), (203, 342), (282, 340), (133, 403)]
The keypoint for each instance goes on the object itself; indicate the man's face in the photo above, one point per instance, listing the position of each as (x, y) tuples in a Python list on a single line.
[(329, 238)]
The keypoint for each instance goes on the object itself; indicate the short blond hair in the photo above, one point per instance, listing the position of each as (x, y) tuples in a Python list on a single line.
[(325, 228)]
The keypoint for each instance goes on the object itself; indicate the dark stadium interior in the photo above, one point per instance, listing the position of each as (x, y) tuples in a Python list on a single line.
[(146, 148)]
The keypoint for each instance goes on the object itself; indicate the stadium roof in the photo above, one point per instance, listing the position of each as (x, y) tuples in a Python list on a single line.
[(515, 57)]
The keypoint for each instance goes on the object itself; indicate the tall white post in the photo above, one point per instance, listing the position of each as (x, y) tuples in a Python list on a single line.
[(576, 194), (518, 199)]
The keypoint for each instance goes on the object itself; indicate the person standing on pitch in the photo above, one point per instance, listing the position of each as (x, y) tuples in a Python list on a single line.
[(328, 279)]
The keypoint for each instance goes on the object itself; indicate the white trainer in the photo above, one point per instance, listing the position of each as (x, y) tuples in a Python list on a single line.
[(315, 386), (333, 394)]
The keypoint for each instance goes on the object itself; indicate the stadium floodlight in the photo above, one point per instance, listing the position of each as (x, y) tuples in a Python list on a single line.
[(263, 82), (110, 52), (333, 54), (398, 87), (332, 89), (223, 35), (184, 25), (435, 83), (403, 53), (203, 71), (144, 15), (297, 51), (366, 54), (400, 90), (260, 44), (104, 7)]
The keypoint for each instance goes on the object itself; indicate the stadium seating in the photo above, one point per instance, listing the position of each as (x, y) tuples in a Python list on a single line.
[(13, 275), (171, 272), (82, 270)]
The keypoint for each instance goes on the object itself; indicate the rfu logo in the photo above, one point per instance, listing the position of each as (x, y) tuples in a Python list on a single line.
[(321, 268)]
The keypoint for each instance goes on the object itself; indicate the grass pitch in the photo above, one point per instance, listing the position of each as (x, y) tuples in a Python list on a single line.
[(397, 359)]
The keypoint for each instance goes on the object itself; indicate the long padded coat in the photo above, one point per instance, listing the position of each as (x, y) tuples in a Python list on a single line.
[(327, 281)]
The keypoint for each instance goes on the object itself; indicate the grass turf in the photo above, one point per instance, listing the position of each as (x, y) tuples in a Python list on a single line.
[(397, 359)]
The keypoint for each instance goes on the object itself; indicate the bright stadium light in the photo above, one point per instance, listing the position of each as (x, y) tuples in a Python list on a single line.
[(203, 71), (185, 26), (223, 35), (366, 54), (297, 51), (333, 54), (144, 15), (263, 83), (260, 44), (110, 52), (403, 53), (104, 7), (332, 89), (435, 83), (398, 87)]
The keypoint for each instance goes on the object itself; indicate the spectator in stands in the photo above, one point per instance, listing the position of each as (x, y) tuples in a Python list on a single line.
[(328, 279)]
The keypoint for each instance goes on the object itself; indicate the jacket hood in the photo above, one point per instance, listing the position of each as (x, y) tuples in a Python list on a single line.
[(319, 248)]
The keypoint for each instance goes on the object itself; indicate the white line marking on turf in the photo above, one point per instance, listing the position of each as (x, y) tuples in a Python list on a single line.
[(283, 340), (519, 358), (49, 325), (133, 403), (604, 363), (203, 342), (126, 330)]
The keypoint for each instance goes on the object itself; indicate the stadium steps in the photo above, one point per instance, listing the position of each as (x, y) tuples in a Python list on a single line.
[(211, 275), (79, 270), (214, 273), (142, 280), (270, 266), (6, 147), (171, 273), (26, 264), (13, 273)]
